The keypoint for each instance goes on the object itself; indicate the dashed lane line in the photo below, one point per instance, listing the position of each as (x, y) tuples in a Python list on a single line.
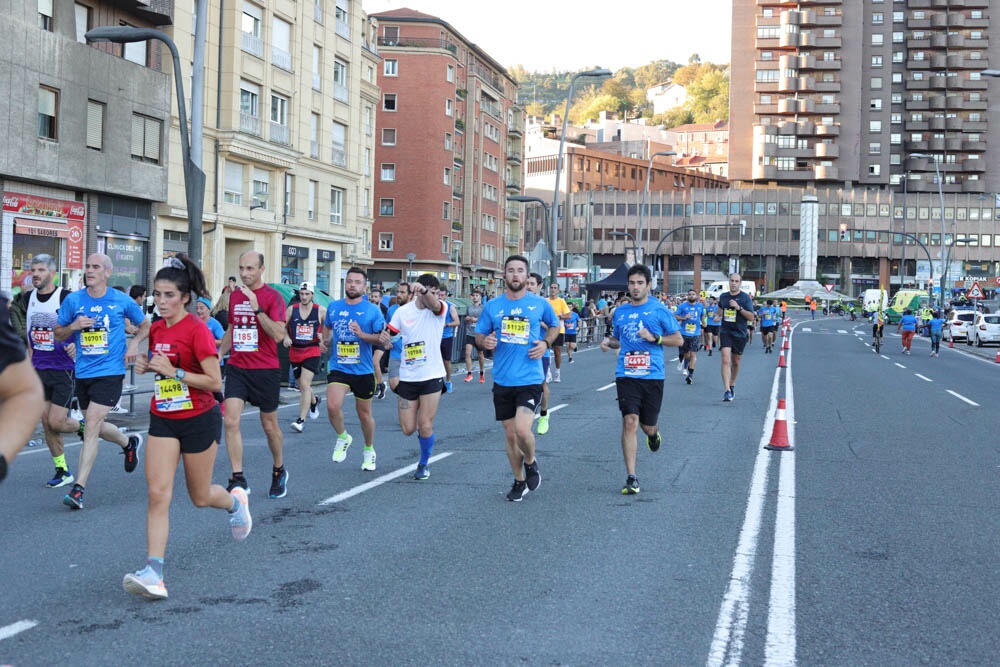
[(378, 481), (963, 398)]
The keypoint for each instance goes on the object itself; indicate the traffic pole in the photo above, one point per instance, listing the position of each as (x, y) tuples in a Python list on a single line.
[(779, 434)]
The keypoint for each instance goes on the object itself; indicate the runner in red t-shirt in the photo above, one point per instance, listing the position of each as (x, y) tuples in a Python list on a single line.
[(184, 419), (256, 324), (305, 319)]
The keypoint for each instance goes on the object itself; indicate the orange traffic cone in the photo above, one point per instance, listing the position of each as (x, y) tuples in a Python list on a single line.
[(786, 346), (781, 360), (998, 357), (779, 434), (951, 342)]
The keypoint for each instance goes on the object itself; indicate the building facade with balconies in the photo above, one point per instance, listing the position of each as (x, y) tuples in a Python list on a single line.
[(290, 100), (450, 148)]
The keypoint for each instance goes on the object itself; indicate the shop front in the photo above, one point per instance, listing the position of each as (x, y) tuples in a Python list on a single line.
[(293, 264), (325, 261), (33, 225), (123, 228)]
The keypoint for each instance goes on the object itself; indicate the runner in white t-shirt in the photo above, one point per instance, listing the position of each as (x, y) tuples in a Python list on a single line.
[(420, 323)]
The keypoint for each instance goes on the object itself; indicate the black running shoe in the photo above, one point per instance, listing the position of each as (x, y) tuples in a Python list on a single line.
[(74, 499), (518, 491), (240, 481), (631, 486), (732, 390), (687, 379), (131, 452), (654, 442), (279, 478), (380, 390), (531, 476)]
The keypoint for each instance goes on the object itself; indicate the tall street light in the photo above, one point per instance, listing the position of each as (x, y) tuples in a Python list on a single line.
[(457, 245), (645, 195), (559, 163), (410, 256), (945, 256), (527, 199), (194, 177)]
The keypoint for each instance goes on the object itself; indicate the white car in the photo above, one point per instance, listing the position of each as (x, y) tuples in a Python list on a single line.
[(986, 329), (957, 325)]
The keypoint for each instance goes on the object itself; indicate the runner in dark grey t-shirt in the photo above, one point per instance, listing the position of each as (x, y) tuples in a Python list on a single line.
[(472, 314), (735, 312)]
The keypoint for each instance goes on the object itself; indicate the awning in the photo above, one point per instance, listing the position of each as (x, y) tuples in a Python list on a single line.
[(41, 228)]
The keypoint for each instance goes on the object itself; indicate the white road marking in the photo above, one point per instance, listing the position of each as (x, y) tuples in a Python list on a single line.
[(378, 481), (806, 330), (606, 387), (554, 409), (9, 631), (883, 356), (841, 330), (925, 379), (963, 398), (899, 364)]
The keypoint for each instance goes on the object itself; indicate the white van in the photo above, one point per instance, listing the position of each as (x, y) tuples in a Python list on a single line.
[(717, 288), (874, 299)]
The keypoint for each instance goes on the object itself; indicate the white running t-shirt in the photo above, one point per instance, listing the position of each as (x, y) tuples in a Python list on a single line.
[(421, 330)]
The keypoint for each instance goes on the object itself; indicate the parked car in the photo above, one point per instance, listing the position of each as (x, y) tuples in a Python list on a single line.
[(986, 329), (957, 324)]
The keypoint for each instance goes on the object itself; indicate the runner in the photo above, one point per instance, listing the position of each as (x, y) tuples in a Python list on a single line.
[(253, 374), (302, 341), (352, 326), (735, 312), (203, 309), (908, 325), (689, 315), (381, 362), (641, 329), (448, 342), (95, 318), (534, 286), (21, 394), (511, 326), (53, 362), (563, 313), (395, 352), (184, 420), (472, 314), (769, 325), (572, 325), (711, 325), (420, 324)]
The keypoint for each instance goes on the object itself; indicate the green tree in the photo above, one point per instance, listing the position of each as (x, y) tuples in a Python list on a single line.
[(674, 117), (708, 97)]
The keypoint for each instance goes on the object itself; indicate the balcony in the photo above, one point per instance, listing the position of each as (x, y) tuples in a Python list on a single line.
[(314, 150), (918, 84), (917, 125), (419, 43), (513, 213), (788, 40), (253, 45), (490, 107), (915, 146), (513, 157), (974, 146), (826, 150), (458, 189), (342, 28), (806, 128), (249, 124), (459, 125), (511, 240), (918, 64), (487, 75), (974, 126), (338, 156), (917, 105), (977, 186), (280, 134), (937, 124), (824, 172), (514, 185), (340, 92), (827, 130), (764, 172), (953, 144), (828, 86), (935, 144), (765, 109), (515, 131), (281, 58), (788, 84), (827, 109), (791, 17)]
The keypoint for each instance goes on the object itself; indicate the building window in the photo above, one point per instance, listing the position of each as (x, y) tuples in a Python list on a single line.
[(368, 162), (447, 141), (279, 120), (250, 26), (232, 186), (390, 67), (343, 25), (447, 176), (340, 91), (289, 194), (146, 138), (450, 74), (446, 210), (876, 61), (388, 172), (874, 126), (878, 39), (387, 207), (261, 188), (874, 148), (336, 206), (95, 125), (875, 104), (389, 102), (385, 240), (874, 170), (311, 203), (317, 78), (878, 18), (281, 44), (449, 107), (45, 15), (249, 107), (314, 135), (444, 244), (135, 52), (876, 83), (339, 142), (388, 136), (82, 22)]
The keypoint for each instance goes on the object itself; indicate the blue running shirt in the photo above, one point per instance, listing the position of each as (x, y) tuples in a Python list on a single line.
[(689, 316), (639, 358), (100, 349), (517, 324), (348, 353)]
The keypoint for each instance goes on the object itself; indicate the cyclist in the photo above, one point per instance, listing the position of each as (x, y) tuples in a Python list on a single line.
[(878, 329)]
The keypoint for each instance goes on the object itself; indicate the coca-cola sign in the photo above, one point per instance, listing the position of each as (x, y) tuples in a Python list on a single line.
[(44, 207)]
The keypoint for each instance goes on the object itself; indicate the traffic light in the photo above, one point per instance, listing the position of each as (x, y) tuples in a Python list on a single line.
[(844, 234)]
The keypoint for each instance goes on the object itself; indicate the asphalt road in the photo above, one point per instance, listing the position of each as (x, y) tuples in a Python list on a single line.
[(873, 541)]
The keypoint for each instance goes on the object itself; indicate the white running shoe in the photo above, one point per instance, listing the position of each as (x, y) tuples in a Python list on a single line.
[(298, 425), (340, 449), (368, 465)]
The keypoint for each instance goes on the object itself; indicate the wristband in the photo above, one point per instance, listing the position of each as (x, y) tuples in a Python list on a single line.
[(257, 312), (659, 340), (547, 344)]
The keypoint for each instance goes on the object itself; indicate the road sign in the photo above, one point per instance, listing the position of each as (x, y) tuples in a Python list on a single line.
[(975, 292), (829, 288)]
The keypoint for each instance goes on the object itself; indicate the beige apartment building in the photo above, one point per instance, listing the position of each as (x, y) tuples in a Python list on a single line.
[(290, 101)]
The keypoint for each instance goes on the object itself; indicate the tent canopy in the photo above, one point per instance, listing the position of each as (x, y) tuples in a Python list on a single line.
[(616, 282), (804, 288)]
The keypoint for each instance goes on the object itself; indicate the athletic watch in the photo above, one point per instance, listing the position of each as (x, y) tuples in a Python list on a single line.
[(180, 374)]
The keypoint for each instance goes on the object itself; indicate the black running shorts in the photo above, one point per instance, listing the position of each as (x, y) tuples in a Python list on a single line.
[(362, 386), (640, 397), (256, 386), (103, 390), (196, 434), (506, 400)]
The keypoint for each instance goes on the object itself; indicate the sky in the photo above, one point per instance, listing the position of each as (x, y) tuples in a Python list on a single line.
[(544, 35)]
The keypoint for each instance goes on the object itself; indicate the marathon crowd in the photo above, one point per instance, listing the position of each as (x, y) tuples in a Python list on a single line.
[(77, 345)]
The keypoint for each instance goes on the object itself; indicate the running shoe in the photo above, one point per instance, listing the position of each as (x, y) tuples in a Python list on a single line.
[(680, 366), (61, 478), (314, 408), (298, 425), (531, 476), (709, 351), (448, 388), (145, 583), (687, 379), (340, 449), (131, 452), (482, 379), (79, 431), (468, 377), (74, 499), (571, 360), (238, 482), (423, 472), (732, 390), (548, 376), (631, 486), (543, 425), (380, 390), (368, 464), (517, 491), (557, 376), (279, 479), (654, 442), (240, 521), (728, 396)]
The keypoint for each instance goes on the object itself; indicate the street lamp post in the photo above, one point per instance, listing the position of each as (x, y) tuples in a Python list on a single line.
[(194, 177), (559, 162), (645, 195), (656, 252), (410, 256), (945, 256), (527, 199), (902, 256), (457, 245)]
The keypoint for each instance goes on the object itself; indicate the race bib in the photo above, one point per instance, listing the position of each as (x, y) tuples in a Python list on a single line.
[(515, 330), (636, 364), (42, 339), (171, 395), (690, 327), (349, 352), (245, 338), (94, 341), (414, 354), (729, 315), (304, 332)]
